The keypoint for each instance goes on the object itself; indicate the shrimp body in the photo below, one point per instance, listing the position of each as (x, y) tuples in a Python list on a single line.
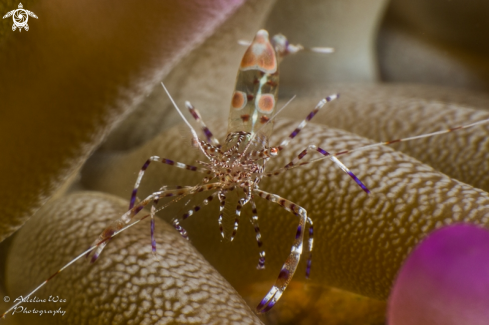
[(239, 164)]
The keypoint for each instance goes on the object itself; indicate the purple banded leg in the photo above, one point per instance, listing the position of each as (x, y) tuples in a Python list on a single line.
[(198, 207), (421, 136), (310, 245), (247, 198), (343, 168), (164, 161), (222, 199), (254, 221), (180, 229), (196, 115), (346, 170), (239, 140), (290, 265), (176, 222), (209, 150), (153, 241), (296, 162), (127, 217), (261, 261), (310, 242), (236, 220), (309, 117)]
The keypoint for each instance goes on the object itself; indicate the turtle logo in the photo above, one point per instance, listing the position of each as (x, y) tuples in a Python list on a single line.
[(20, 17)]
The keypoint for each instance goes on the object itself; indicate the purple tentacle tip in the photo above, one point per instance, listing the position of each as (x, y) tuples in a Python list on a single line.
[(445, 280)]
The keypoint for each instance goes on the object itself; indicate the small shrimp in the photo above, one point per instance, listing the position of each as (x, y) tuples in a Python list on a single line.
[(240, 163)]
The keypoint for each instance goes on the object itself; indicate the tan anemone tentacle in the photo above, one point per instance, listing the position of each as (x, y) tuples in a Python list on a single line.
[(127, 285), (76, 74), (388, 112)]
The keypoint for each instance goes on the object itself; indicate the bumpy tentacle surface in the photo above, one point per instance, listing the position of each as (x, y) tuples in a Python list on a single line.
[(178, 286)]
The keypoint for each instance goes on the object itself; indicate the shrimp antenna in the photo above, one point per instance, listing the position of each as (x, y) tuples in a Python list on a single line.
[(180, 112), (194, 134), (426, 135), (280, 110), (319, 49)]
